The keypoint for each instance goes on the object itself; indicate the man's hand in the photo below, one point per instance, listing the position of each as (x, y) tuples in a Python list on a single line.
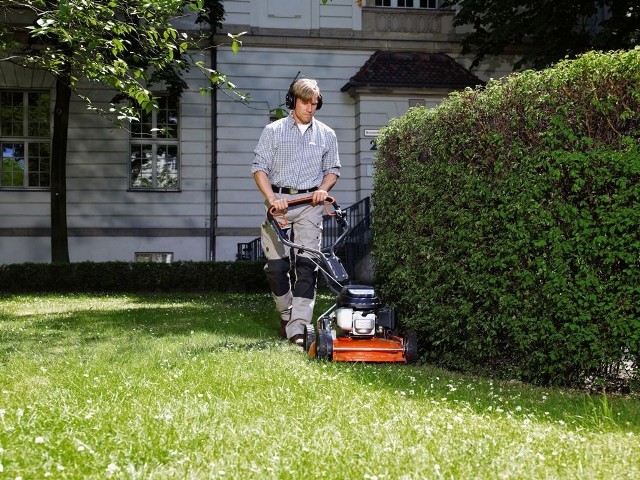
[(279, 204), (319, 196)]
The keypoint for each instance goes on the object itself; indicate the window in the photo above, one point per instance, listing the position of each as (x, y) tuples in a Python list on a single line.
[(154, 160), (25, 139), (408, 3), (155, 257)]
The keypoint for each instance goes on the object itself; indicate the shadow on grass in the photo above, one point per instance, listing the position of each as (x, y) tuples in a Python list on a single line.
[(248, 322), (90, 320)]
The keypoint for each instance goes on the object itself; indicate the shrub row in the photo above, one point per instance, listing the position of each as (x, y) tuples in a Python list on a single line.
[(506, 222), (108, 277)]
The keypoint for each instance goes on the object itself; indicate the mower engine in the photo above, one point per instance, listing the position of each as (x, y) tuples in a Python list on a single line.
[(359, 314), (359, 329)]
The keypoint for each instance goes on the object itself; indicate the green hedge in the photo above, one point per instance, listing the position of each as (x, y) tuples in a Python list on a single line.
[(134, 277), (507, 222)]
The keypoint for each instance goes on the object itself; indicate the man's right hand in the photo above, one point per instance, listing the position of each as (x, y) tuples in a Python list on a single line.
[(279, 204)]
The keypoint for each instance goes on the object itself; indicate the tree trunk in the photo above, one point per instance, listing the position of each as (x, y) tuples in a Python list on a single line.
[(59, 240)]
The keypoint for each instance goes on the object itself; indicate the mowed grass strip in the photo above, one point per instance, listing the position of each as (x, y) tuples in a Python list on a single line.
[(199, 386)]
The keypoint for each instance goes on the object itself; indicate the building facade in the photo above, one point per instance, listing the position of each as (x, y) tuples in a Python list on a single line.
[(177, 185)]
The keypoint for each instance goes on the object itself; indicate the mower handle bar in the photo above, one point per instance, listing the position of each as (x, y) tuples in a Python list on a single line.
[(279, 222)]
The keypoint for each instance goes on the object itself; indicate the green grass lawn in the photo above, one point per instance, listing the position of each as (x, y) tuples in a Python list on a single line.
[(199, 386)]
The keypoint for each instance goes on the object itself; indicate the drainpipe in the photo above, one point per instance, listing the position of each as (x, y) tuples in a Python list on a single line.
[(213, 210)]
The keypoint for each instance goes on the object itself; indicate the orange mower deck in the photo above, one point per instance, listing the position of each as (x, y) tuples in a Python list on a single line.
[(348, 349)]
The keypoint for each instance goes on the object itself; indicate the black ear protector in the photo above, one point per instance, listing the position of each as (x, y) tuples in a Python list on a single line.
[(290, 98)]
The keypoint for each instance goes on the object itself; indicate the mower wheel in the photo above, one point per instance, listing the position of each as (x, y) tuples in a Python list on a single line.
[(309, 337), (410, 346), (324, 345)]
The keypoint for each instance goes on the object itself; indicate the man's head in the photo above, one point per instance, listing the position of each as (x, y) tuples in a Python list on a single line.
[(304, 98)]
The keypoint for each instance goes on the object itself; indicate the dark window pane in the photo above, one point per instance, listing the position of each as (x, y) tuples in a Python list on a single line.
[(39, 115), (39, 162), (143, 127), (167, 118), (11, 114)]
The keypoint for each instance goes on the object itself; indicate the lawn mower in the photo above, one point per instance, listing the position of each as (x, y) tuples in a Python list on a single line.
[(357, 328)]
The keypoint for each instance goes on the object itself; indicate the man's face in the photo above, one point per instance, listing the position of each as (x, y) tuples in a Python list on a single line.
[(305, 109)]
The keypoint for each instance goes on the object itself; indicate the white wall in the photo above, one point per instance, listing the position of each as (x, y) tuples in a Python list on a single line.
[(294, 14)]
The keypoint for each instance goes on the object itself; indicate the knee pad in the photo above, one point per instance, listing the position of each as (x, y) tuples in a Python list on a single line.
[(306, 278), (277, 272)]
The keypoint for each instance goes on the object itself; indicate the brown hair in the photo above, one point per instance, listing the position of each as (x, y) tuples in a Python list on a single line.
[(305, 89)]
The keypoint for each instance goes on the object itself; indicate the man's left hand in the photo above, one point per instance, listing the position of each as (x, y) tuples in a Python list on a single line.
[(319, 196)]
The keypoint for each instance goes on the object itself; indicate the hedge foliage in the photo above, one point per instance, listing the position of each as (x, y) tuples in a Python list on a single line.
[(507, 222), (111, 277)]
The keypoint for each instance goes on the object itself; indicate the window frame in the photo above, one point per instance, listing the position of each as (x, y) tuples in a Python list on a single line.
[(32, 161), (154, 138), (416, 4), (153, 257)]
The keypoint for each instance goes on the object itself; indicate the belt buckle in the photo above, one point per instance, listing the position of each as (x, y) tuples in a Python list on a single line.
[(293, 191)]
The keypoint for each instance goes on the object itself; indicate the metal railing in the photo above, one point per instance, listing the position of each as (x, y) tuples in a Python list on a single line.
[(250, 251), (356, 245)]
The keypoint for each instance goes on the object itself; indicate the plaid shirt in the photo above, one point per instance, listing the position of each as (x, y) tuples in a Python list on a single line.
[(295, 160)]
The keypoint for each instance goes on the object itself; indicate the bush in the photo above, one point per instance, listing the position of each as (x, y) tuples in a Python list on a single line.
[(506, 222), (134, 277)]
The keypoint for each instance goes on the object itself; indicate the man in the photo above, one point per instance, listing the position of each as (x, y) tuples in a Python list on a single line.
[(296, 157)]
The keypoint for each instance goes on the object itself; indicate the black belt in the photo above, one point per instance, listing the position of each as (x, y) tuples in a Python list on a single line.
[(292, 191)]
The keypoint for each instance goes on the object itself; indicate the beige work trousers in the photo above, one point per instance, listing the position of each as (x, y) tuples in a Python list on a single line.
[(294, 303)]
